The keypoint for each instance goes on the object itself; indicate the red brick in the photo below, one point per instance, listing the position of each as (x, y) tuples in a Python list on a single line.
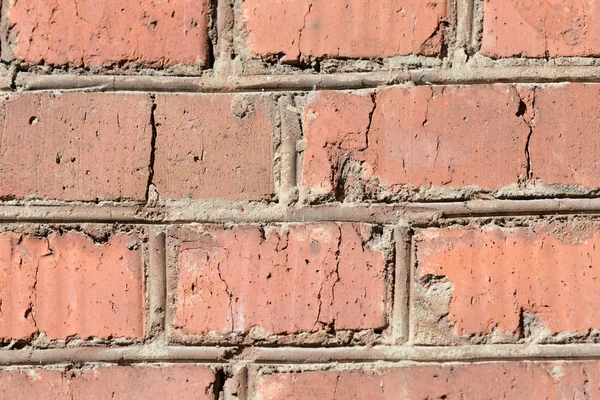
[(75, 146), (181, 382), (19, 258), (66, 285), (501, 276), (126, 33), (564, 144), (508, 380), (33, 384), (177, 382), (540, 28), (410, 138), (296, 278), (214, 146), (343, 28)]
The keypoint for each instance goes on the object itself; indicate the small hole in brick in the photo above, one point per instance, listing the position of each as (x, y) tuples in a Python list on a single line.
[(196, 158), (58, 158), (33, 120), (522, 109)]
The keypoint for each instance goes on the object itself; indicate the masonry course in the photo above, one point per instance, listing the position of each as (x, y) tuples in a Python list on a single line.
[(300, 199)]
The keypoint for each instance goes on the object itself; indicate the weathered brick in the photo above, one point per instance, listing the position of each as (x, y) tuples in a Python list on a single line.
[(564, 143), (75, 146), (540, 28), (140, 382), (279, 279), (27, 384), (177, 382), (535, 282), (343, 28), (214, 146), (126, 33), (67, 285), (368, 145), (506, 380)]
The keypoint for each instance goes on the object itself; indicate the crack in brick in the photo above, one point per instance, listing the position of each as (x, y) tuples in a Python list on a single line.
[(335, 272), (527, 112), (76, 13), (335, 387), (368, 130), (302, 30), (229, 294), (151, 161), (49, 253), (423, 124)]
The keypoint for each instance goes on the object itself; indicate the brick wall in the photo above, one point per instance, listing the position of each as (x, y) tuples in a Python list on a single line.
[(301, 199)]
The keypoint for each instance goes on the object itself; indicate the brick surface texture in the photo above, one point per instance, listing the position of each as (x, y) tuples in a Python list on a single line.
[(280, 279), (63, 284), (299, 199), (343, 28), (90, 34), (511, 380)]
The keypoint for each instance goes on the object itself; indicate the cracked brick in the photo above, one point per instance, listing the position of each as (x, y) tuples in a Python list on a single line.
[(407, 139), (295, 30), (507, 284), (280, 280), (65, 285)]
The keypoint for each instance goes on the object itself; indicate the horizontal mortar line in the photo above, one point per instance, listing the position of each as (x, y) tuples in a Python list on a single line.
[(207, 84), (209, 212), (308, 82), (300, 355), (499, 352)]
